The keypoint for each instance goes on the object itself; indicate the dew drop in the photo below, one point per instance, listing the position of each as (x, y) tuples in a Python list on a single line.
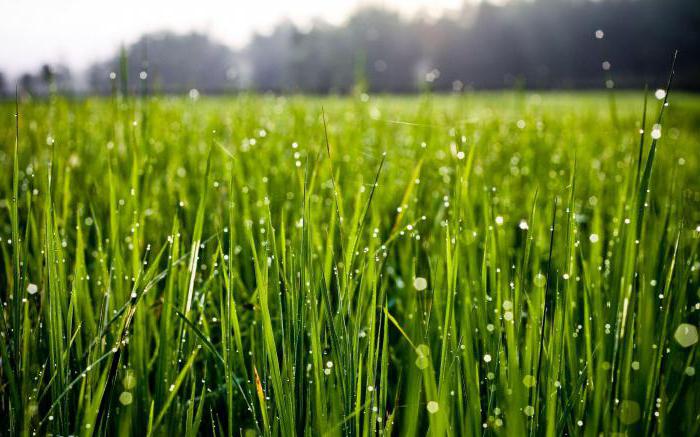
[(686, 334), (540, 280), (529, 381), (629, 412), (129, 381), (423, 352), (126, 398), (433, 407), (420, 283)]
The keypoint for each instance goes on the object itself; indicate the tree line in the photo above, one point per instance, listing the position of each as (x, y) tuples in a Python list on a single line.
[(542, 44)]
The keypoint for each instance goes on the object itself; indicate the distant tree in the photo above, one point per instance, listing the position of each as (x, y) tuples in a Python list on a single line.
[(26, 83), (3, 85), (390, 46), (48, 79), (46, 73), (170, 63), (272, 57), (53, 79)]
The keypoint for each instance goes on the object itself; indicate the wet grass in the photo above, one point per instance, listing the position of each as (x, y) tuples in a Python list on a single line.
[(498, 263)]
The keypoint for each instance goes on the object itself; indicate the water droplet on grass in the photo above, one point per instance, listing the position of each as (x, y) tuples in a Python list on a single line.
[(126, 398), (540, 280), (529, 381), (432, 407), (420, 283), (423, 352), (129, 381), (629, 412), (686, 334)]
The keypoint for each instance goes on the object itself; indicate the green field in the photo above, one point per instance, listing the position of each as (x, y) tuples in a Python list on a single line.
[(487, 263)]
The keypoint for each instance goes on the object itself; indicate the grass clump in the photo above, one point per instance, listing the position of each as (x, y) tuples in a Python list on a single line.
[(497, 263)]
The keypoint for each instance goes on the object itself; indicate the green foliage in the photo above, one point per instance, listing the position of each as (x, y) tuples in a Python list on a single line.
[(471, 264)]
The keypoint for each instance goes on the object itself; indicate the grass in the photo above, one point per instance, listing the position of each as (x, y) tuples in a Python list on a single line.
[(477, 264)]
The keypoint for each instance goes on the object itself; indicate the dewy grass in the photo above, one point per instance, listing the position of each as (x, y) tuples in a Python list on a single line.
[(496, 263)]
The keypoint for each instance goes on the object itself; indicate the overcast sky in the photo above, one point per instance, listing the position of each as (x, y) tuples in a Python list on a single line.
[(76, 32)]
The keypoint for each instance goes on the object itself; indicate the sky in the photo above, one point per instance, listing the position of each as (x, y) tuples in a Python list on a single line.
[(77, 32)]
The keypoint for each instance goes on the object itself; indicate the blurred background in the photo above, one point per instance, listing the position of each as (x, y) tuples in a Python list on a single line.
[(341, 46)]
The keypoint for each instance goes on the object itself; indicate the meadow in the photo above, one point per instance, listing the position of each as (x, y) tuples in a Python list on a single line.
[(507, 263)]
